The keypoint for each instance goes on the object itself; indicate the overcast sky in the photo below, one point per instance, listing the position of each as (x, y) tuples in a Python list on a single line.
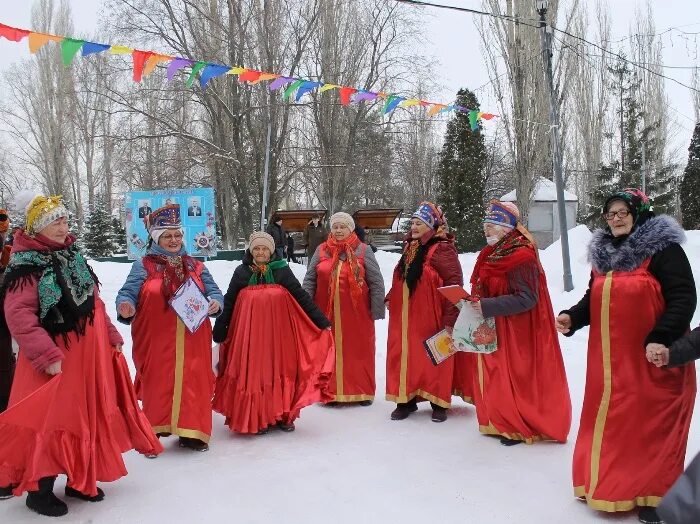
[(454, 42)]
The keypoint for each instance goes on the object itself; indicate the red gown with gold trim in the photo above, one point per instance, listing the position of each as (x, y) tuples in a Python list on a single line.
[(353, 330), (413, 318), (636, 417), (76, 423), (274, 361), (174, 377)]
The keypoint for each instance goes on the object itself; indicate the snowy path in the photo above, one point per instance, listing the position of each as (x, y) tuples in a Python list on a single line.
[(353, 464)]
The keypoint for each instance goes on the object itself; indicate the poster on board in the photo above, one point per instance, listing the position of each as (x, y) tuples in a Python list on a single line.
[(197, 212)]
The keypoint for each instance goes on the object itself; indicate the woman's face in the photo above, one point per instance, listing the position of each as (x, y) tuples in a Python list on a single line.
[(418, 228), (171, 241), (261, 255), (340, 231), (56, 230), (493, 231), (619, 218)]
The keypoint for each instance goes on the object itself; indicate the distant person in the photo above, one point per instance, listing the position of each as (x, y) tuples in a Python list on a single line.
[(635, 418), (290, 250), (315, 234), (362, 235), (279, 235), (195, 210), (144, 209)]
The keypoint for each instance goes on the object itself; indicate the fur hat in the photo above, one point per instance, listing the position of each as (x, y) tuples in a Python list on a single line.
[(343, 218), (504, 214), (40, 210), (260, 238)]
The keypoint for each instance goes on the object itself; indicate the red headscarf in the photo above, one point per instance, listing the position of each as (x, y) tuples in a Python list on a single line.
[(335, 248)]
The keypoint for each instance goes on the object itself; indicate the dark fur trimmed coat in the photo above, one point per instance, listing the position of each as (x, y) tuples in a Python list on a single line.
[(657, 239)]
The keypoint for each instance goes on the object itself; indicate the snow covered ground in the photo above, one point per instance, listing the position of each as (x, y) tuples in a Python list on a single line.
[(353, 464)]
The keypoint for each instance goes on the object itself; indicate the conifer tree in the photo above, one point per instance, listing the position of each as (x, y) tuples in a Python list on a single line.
[(461, 176)]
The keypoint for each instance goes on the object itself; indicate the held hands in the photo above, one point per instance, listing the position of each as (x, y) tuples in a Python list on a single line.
[(126, 310), (657, 354), (563, 323), (213, 308), (53, 369), (476, 306)]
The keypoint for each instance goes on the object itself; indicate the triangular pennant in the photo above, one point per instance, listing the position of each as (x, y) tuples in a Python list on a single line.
[(70, 48), (212, 71), (345, 94), (12, 33), (196, 68), (327, 87), (140, 58), (249, 75), (410, 102), (305, 88), (120, 50), (437, 108), (487, 116), (176, 65), (236, 70), (39, 40), (152, 62), (295, 85), (392, 103), (364, 96), (280, 82), (90, 48), (267, 76), (474, 120)]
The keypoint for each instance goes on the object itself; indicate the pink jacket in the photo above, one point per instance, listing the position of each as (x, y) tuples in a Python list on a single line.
[(22, 314)]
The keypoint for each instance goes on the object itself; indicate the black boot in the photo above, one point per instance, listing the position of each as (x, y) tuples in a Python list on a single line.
[(365, 403), (439, 413), (194, 444), (287, 427), (404, 409), (6, 492), (505, 441), (648, 515), (70, 492), (44, 502)]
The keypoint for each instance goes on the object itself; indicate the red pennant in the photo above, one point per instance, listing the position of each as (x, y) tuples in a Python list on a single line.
[(249, 75), (12, 33), (487, 116), (140, 58), (345, 94)]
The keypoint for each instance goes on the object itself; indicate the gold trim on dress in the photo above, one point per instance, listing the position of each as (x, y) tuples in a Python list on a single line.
[(190, 433), (418, 393), (599, 427), (491, 430), (405, 297), (338, 332), (352, 398), (179, 369), (618, 505)]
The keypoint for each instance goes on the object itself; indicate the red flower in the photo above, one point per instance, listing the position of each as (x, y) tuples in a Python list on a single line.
[(484, 335)]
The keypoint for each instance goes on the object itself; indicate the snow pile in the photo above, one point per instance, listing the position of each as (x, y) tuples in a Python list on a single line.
[(354, 464)]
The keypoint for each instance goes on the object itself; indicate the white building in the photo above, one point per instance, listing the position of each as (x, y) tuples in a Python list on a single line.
[(543, 218)]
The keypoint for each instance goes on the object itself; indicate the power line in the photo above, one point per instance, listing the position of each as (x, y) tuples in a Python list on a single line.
[(660, 33), (509, 18)]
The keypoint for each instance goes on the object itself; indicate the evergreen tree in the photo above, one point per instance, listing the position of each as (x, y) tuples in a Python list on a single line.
[(461, 176), (98, 234), (118, 236), (690, 185)]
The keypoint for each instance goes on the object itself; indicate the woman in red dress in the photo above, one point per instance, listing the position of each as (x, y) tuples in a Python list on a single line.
[(520, 391), (276, 349), (417, 311), (635, 419), (347, 284), (72, 408), (174, 379)]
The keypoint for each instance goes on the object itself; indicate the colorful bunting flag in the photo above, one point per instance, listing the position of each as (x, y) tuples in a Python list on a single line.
[(249, 75), (474, 120), (12, 33), (293, 87), (140, 58), (212, 71), (120, 50), (236, 71), (327, 87), (70, 48), (280, 82), (91, 48), (392, 103), (345, 94), (153, 61), (364, 96), (305, 88), (175, 66), (39, 40), (437, 108), (196, 68)]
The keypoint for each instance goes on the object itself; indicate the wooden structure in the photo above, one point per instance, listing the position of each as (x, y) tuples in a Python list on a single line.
[(295, 221), (376, 218)]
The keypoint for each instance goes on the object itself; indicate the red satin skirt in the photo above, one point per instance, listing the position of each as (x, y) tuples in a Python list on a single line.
[(274, 362), (76, 423)]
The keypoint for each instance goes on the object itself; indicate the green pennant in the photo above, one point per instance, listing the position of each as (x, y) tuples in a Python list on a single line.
[(474, 120), (196, 68), (70, 48), (292, 87)]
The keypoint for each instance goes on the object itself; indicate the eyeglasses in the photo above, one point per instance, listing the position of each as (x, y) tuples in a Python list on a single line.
[(610, 215), (171, 237)]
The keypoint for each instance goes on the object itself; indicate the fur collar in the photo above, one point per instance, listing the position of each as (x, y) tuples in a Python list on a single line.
[(605, 253)]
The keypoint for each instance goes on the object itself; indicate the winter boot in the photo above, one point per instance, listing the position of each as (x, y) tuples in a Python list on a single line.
[(44, 502), (70, 492), (286, 426), (505, 441), (365, 403), (6, 492), (263, 431), (439, 413), (404, 409), (194, 444), (648, 515)]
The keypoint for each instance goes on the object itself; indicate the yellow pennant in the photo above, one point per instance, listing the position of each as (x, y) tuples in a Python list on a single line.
[(410, 102), (236, 70), (120, 50), (327, 87)]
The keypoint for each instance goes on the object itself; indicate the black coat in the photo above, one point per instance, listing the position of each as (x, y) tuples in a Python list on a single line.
[(284, 277), (668, 264), (278, 234), (685, 349)]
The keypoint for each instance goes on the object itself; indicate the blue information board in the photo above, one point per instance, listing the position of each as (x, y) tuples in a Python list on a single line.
[(197, 212)]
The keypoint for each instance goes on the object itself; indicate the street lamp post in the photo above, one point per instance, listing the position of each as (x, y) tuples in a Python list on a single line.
[(546, 42)]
